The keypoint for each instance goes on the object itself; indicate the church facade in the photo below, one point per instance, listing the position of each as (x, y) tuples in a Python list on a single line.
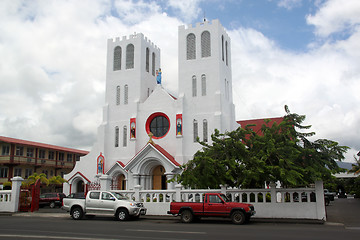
[(146, 133)]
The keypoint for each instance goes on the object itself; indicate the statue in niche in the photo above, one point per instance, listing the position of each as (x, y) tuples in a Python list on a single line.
[(158, 76)]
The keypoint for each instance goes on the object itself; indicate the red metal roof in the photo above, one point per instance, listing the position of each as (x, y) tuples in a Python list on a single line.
[(259, 122), (41, 145)]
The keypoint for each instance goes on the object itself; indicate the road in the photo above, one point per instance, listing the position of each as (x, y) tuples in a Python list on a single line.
[(63, 227)]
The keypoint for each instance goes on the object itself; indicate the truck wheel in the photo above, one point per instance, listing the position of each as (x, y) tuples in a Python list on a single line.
[(52, 204), (238, 217), (186, 216), (122, 215), (77, 213)]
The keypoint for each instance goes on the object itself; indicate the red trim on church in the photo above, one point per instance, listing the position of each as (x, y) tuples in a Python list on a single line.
[(80, 175), (166, 154), (121, 163)]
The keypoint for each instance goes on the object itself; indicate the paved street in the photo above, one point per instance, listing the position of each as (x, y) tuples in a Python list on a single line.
[(343, 215)]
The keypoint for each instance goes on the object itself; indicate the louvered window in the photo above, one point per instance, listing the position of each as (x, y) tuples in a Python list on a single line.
[(124, 136), (118, 95), (203, 85), (205, 130), (190, 46), (205, 44), (126, 94), (226, 52), (116, 136), (195, 126), (130, 56), (153, 64), (117, 58), (222, 47), (194, 90), (147, 59)]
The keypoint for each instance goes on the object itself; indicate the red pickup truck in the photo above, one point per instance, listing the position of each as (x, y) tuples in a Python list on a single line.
[(214, 205)]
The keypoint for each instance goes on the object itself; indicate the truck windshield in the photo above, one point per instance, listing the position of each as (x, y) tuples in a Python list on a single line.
[(119, 196), (226, 199)]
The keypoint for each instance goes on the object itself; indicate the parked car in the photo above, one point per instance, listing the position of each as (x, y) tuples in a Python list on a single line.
[(330, 195), (214, 205), (51, 199), (103, 203)]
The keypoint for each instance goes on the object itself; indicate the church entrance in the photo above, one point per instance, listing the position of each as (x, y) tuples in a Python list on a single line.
[(80, 187), (120, 182), (159, 178)]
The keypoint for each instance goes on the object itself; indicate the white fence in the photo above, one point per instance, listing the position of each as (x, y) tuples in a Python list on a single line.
[(9, 199), (293, 203)]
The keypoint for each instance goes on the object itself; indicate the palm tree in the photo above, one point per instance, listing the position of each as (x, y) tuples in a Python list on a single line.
[(56, 180), (33, 178), (356, 167)]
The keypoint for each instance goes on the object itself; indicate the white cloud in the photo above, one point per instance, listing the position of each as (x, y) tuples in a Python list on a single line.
[(188, 10), (289, 4), (336, 16)]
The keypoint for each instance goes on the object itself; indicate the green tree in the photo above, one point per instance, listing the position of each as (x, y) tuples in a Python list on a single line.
[(33, 178), (281, 152), (56, 180)]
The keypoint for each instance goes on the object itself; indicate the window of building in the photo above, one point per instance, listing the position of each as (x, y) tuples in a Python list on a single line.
[(17, 172), (194, 90), (118, 95), (28, 172), (5, 150), (117, 58), (4, 172), (116, 136), (205, 130), (147, 67), (51, 155), (195, 128), (203, 85), (153, 64), (41, 153), (30, 152), (124, 136), (126, 94), (222, 47), (205, 44), (130, 56), (190, 46), (61, 156), (69, 157), (226, 53), (19, 151), (77, 158), (159, 126)]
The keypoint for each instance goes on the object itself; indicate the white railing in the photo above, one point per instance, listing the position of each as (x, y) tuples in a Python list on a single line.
[(297, 203), (9, 199)]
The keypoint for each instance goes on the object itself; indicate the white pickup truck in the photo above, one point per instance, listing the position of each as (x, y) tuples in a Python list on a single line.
[(103, 203)]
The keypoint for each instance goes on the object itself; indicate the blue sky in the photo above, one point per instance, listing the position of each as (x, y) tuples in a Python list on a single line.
[(302, 53)]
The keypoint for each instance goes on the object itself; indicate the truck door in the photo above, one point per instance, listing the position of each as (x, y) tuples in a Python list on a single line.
[(107, 203), (92, 202), (214, 206)]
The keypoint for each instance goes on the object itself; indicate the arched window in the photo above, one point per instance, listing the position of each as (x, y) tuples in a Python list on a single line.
[(116, 136), (205, 44), (203, 85), (226, 52), (205, 130), (130, 56), (222, 47), (117, 58), (190, 46), (147, 59), (124, 136), (153, 64), (194, 86), (118, 95), (195, 126), (126, 94)]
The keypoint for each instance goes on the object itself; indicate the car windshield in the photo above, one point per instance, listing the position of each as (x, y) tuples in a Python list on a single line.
[(225, 198), (119, 196)]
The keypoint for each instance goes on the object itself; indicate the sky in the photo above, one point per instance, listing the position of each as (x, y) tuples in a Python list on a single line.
[(300, 53)]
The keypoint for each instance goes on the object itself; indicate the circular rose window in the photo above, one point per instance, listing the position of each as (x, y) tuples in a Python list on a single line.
[(158, 124)]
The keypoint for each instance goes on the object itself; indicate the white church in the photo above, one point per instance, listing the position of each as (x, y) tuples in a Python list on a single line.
[(146, 133)]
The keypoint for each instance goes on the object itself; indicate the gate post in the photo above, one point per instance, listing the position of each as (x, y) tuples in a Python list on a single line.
[(15, 193), (178, 188), (320, 202)]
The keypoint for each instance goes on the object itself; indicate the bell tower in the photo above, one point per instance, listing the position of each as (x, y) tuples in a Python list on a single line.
[(205, 81)]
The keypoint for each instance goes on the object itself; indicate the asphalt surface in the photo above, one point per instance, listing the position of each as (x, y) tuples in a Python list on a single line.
[(342, 211)]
